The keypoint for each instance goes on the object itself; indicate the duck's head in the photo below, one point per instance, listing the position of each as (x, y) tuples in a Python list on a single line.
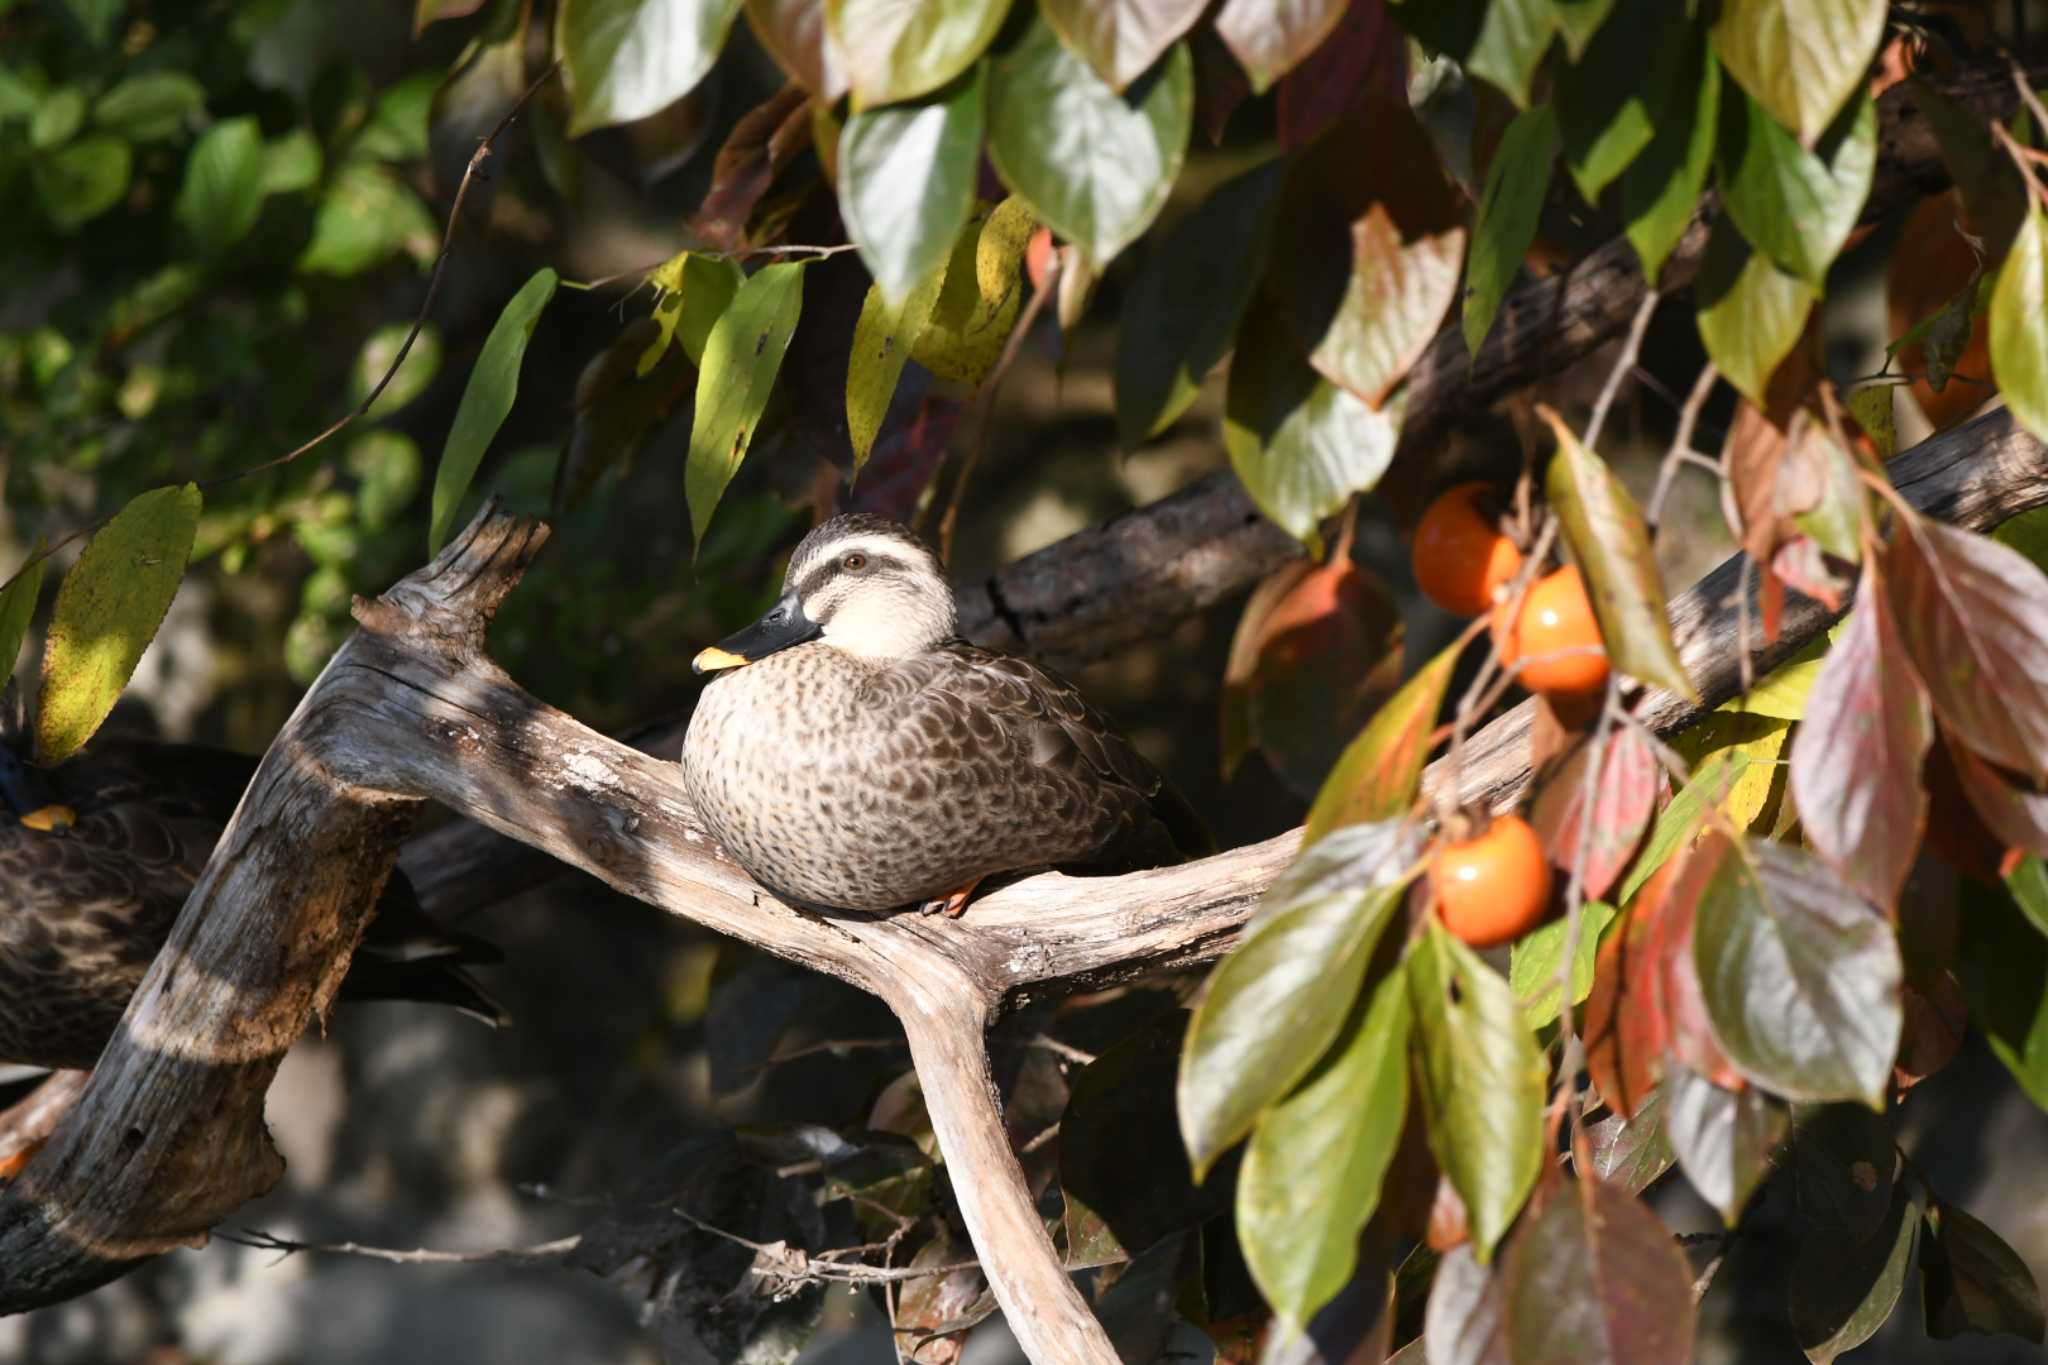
[(861, 583), (26, 794)]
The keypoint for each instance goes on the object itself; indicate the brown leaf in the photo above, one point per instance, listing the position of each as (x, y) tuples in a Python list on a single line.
[(760, 147), (1593, 1277), (1624, 797), (2016, 814), (1856, 758), (1269, 39), (1935, 1023), (1365, 54), (1751, 455), (1625, 1029), (1801, 565), (1220, 83), (1954, 828), (1974, 617)]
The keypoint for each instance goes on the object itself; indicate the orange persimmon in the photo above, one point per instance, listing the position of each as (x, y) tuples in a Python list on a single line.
[(1495, 886), (1460, 555)]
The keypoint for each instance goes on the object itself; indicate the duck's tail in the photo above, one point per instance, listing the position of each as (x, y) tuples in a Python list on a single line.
[(407, 954)]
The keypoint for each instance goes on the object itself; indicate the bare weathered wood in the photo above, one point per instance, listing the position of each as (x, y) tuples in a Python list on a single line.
[(1140, 575)]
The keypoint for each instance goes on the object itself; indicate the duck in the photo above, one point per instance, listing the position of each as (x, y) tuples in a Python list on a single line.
[(97, 856), (852, 753)]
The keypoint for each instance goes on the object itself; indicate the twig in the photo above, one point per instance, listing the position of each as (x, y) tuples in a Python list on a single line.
[(604, 281), (260, 1240), (1681, 451), (986, 403), (1631, 347)]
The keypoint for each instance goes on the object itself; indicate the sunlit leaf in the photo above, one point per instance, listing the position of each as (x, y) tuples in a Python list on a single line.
[(1682, 816), (1856, 761), (1620, 87), (1182, 310), (107, 612), (1273, 1007), (1122, 38), (981, 296), (1971, 1280), (1269, 38), (1394, 300), (1301, 445), (797, 35), (906, 183), (1482, 1081), (691, 292), (1593, 1277), (366, 216), (1661, 187), (2019, 344), (883, 337), (1095, 165), (1632, 1152), (625, 59), (147, 107), (1974, 617), (1624, 797), (1466, 1322), (741, 359), (1750, 312), (373, 362), (1610, 544), (1797, 206), (1512, 38), (486, 400), (1380, 772), (1843, 1290), (1800, 976), (900, 49), (1535, 960), (1800, 59), (1312, 1171), (1508, 208)]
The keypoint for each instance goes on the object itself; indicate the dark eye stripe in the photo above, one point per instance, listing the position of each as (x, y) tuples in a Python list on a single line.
[(809, 585)]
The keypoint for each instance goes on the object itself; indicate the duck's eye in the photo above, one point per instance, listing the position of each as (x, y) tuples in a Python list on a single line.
[(854, 563)]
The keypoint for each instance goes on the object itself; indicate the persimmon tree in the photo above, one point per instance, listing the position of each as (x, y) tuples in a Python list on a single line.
[(1374, 1126)]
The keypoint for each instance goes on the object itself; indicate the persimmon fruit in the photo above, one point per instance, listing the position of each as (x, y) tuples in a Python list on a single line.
[(1493, 887), (1460, 556), (1554, 637)]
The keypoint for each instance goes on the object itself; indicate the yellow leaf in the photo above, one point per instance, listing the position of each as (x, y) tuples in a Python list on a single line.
[(883, 339), (982, 293)]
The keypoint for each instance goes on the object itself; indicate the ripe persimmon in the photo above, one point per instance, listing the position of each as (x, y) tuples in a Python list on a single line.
[(1493, 887), (1460, 555), (1554, 636)]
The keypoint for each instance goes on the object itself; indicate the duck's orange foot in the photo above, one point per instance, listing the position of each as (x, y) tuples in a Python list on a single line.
[(952, 905)]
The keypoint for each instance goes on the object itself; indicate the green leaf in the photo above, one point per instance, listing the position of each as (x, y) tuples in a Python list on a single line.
[(425, 12), (486, 400), (1661, 187), (900, 49), (366, 216), (2003, 970), (223, 189), (1611, 105), (1482, 1081), (1610, 544), (1843, 1290), (1394, 300), (883, 338), (1972, 1281), (1272, 1008), (1269, 39), (291, 162), (1095, 165), (1312, 1171), (1300, 444), (626, 59), (1579, 21), (56, 117), (1512, 38), (1508, 209), (108, 611), (422, 363), (741, 358), (147, 108), (1122, 38), (2019, 344), (1379, 773), (906, 183), (1534, 961), (1750, 312), (1183, 309), (387, 467), (1796, 206), (1800, 977), (1800, 59), (692, 291), (17, 608), (78, 182)]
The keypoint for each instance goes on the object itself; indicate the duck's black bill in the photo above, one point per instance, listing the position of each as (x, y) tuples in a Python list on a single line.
[(783, 626)]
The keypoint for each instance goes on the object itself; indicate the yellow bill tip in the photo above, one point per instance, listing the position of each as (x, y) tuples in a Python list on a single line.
[(713, 659), (51, 818)]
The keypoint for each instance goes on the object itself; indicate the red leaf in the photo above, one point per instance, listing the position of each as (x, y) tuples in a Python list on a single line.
[(1974, 616), (1857, 757), (1624, 797), (1220, 83), (1935, 1023), (1367, 52), (902, 464), (1954, 829), (1592, 1277), (2017, 815), (1689, 1032), (760, 147), (1803, 567)]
